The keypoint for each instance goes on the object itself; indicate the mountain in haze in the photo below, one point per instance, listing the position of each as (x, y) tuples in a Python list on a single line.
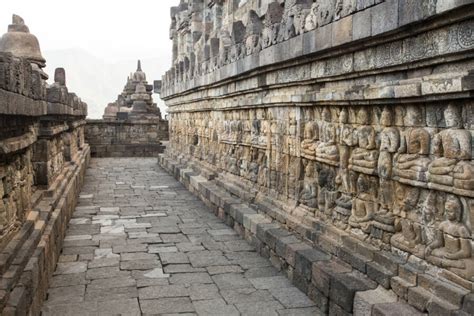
[(96, 81)]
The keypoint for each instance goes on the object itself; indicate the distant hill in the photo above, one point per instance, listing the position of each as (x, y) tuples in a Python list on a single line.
[(96, 81)]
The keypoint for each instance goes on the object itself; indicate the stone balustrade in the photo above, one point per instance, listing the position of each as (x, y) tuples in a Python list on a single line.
[(43, 157)]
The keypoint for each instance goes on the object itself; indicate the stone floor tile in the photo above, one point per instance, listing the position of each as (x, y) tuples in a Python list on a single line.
[(173, 290), (212, 270), (245, 295), (215, 307), (127, 307), (291, 297), (271, 282), (173, 257), (167, 305), (113, 293), (264, 308), (190, 278), (70, 267), (112, 282), (143, 264), (231, 281), (64, 294), (203, 292)]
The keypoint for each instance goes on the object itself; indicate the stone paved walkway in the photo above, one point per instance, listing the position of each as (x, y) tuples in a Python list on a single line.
[(140, 243)]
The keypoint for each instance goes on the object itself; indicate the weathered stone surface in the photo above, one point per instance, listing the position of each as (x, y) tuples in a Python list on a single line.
[(228, 281), (43, 159)]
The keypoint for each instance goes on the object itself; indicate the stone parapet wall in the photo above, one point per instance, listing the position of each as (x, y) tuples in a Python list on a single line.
[(128, 138), (43, 158), (356, 134)]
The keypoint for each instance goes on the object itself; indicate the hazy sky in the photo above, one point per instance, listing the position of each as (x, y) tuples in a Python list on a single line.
[(110, 29), (117, 32)]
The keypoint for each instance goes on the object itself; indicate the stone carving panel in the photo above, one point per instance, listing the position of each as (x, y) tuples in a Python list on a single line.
[(389, 175)]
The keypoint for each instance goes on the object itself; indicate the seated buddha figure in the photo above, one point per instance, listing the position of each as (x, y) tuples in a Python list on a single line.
[(327, 150), (411, 161), (309, 188), (408, 233), (449, 146), (363, 207), (452, 242), (310, 140), (364, 157)]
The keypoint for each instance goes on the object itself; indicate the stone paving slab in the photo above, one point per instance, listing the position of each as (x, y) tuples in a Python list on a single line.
[(141, 244)]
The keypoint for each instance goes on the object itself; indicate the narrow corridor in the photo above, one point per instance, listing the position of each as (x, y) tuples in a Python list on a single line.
[(140, 243)]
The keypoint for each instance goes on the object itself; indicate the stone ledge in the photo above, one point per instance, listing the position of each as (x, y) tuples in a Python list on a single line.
[(29, 262), (16, 104), (339, 282)]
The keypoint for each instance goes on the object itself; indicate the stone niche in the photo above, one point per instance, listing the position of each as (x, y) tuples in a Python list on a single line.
[(334, 121), (43, 158)]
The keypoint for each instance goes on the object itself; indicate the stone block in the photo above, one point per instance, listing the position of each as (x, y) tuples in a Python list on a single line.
[(344, 287), (362, 24), (305, 258), (384, 17), (324, 271), (419, 298), (342, 31), (445, 5), (272, 235), (395, 309), (281, 244), (291, 250), (262, 229), (364, 301)]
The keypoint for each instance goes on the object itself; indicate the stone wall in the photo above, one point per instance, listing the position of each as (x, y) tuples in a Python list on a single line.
[(126, 138), (43, 159), (348, 122)]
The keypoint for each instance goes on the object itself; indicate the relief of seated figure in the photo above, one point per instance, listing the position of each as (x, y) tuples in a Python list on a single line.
[(327, 150), (452, 242), (411, 161), (408, 236), (309, 188), (310, 141), (364, 158), (449, 146), (364, 207)]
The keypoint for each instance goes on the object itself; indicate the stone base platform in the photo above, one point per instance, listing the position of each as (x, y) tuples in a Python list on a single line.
[(29, 259), (341, 274)]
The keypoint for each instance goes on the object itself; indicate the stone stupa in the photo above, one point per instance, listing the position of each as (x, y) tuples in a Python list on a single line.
[(135, 101), (21, 43)]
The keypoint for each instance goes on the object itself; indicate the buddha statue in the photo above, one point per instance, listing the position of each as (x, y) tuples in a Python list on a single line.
[(411, 160), (449, 147), (21, 43), (327, 150), (310, 140), (363, 207), (309, 188), (452, 242), (408, 232), (364, 157)]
